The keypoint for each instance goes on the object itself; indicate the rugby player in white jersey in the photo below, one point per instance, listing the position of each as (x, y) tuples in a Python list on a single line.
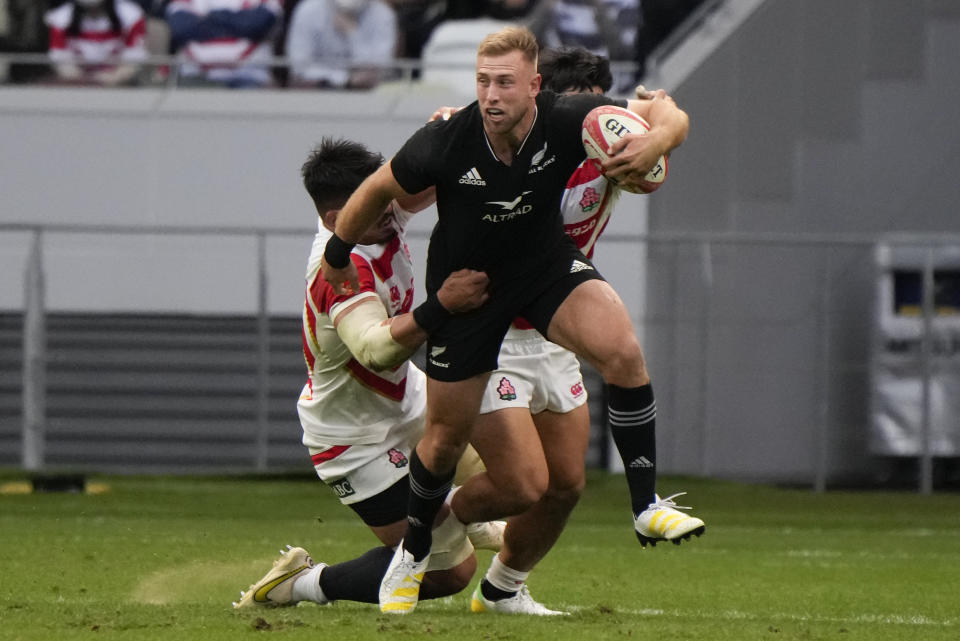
[(362, 408)]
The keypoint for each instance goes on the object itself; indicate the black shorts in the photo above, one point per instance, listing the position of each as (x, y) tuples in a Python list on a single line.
[(386, 507), (468, 344)]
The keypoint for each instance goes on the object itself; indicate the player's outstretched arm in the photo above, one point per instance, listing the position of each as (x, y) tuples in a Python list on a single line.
[(359, 213), (379, 342)]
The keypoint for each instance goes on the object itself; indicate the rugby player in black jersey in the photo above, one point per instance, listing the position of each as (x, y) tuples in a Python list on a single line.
[(500, 166)]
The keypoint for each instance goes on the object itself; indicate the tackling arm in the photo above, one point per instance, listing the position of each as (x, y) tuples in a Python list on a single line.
[(369, 335), (379, 342)]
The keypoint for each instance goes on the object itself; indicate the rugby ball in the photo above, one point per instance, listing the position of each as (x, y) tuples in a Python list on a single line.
[(604, 126)]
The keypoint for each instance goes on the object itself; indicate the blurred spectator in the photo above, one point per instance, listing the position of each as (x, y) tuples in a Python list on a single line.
[(97, 41), (22, 31), (416, 20), (496, 9), (659, 19), (225, 42), (606, 28), (158, 36), (153, 8), (341, 43)]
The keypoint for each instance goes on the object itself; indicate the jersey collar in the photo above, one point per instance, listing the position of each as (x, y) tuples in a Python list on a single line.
[(536, 112)]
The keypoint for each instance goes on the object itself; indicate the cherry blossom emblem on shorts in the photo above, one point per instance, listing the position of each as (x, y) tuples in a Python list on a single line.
[(398, 458), (506, 390)]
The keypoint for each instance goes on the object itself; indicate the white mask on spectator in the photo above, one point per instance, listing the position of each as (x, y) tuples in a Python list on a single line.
[(351, 6)]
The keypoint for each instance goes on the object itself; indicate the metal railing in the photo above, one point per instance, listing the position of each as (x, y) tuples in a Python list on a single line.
[(34, 332), (673, 326), (404, 70)]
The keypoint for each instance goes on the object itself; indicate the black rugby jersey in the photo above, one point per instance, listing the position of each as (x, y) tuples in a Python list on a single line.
[(500, 219)]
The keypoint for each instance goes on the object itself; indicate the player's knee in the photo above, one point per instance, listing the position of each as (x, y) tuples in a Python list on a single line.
[(527, 494), (442, 447), (564, 493), (624, 366), (519, 493), (443, 583)]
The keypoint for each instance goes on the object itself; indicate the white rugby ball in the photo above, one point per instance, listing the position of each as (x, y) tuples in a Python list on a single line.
[(605, 125)]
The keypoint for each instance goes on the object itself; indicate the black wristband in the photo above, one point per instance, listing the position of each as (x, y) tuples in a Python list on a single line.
[(430, 315), (337, 252)]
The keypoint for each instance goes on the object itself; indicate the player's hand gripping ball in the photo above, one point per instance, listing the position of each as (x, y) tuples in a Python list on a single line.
[(604, 126)]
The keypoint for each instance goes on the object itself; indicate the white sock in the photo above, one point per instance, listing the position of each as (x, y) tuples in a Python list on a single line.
[(505, 578), (306, 587)]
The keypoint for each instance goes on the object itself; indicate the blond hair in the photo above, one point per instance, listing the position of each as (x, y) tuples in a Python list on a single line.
[(510, 39)]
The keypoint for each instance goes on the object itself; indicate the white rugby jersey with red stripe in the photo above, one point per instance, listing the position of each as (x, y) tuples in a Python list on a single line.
[(586, 206), (96, 41), (227, 50), (344, 403)]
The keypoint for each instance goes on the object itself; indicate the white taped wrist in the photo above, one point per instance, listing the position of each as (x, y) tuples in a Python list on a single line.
[(368, 338)]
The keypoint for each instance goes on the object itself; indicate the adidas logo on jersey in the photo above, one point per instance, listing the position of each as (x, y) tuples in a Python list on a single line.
[(472, 177), (641, 461), (579, 266)]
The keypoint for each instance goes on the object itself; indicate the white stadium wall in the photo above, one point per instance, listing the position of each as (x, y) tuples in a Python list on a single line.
[(824, 118), (184, 159)]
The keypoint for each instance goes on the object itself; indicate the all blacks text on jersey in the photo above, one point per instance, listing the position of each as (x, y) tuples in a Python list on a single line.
[(537, 163)]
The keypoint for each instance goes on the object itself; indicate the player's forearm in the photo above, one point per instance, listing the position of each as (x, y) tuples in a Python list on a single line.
[(673, 121), (117, 76), (406, 333), (69, 71), (378, 342), (367, 204), (667, 121)]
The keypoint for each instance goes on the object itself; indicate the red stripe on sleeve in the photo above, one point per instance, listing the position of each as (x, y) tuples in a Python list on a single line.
[(325, 298), (137, 32), (58, 38)]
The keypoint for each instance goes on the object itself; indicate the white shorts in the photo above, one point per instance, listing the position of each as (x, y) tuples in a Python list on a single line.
[(359, 472), (536, 374)]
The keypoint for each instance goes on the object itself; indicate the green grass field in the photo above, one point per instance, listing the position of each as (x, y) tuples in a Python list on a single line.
[(162, 558)]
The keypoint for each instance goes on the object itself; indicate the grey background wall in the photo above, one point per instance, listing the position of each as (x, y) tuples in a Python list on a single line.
[(814, 117), (817, 117)]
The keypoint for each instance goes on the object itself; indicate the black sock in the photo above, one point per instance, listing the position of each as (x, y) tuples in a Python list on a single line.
[(492, 593), (632, 413), (358, 579), (427, 493)]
